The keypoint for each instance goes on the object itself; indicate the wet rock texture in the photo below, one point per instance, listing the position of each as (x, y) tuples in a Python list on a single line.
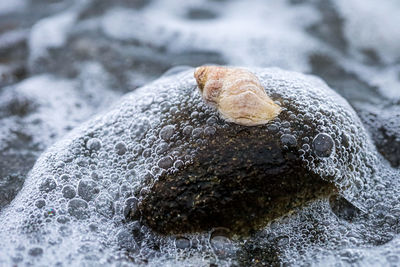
[(241, 178)]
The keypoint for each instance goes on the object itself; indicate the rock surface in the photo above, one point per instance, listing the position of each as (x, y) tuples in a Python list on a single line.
[(238, 176), (100, 185)]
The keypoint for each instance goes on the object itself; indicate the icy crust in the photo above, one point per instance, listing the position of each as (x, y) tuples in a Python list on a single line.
[(74, 205)]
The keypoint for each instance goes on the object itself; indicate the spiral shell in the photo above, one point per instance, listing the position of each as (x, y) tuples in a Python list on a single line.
[(237, 94)]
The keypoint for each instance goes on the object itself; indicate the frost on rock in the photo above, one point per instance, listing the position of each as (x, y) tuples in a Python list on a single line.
[(90, 182)]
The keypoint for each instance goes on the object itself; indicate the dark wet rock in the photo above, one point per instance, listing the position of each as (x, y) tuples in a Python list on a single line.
[(261, 251), (236, 186), (127, 66), (371, 56), (13, 74)]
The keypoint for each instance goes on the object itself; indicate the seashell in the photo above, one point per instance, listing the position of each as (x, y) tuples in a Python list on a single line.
[(237, 94)]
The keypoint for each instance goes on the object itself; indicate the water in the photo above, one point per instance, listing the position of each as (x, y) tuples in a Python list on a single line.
[(61, 62)]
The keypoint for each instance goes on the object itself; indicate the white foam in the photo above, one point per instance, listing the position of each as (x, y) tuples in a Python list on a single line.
[(11, 6), (50, 32), (372, 25), (59, 104), (272, 36)]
